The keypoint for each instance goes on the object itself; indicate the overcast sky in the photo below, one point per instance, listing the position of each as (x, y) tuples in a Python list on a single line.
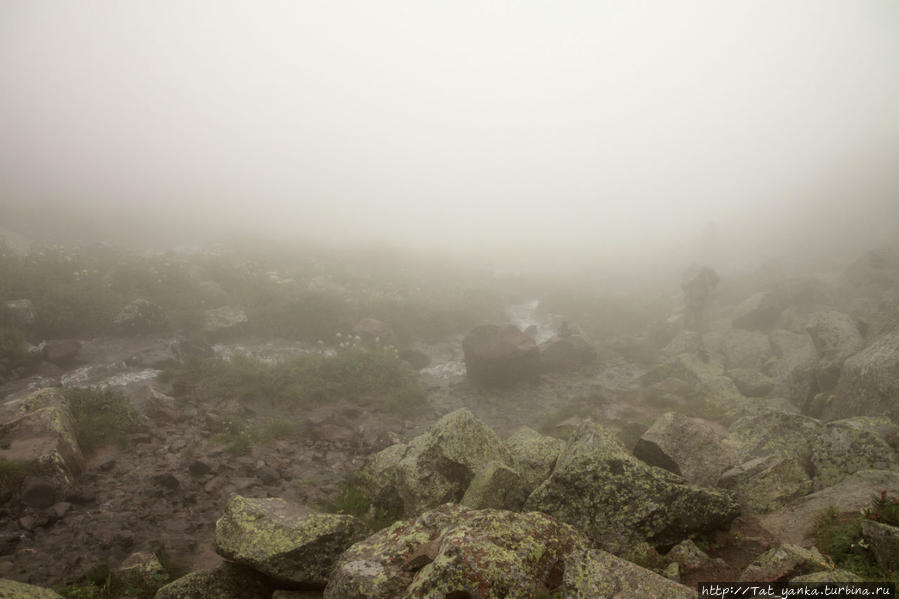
[(610, 125)]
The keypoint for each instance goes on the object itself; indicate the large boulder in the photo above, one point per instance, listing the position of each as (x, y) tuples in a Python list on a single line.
[(140, 317), (795, 523), (454, 551), (596, 574), (751, 383), (869, 383), (566, 353), (765, 484), (288, 542), (10, 589), (372, 332), (226, 581), (783, 562), (438, 466), (744, 349), (835, 336), (495, 485), (500, 355), (852, 444), (534, 455), (793, 364), (617, 500), (884, 542), (686, 446), (775, 432), (43, 440)]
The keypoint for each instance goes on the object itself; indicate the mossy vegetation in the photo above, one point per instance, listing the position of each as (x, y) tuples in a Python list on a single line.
[(101, 582), (351, 500), (371, 377), (839, 536), (102, 417)]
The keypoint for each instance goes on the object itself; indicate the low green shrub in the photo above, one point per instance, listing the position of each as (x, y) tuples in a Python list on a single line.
[(102, 417), (839, 536)]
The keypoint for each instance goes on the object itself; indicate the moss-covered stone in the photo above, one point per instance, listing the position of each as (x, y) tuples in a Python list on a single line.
[(836, 575), (884, 542), (686, 446), (783, 563), (438, 466), (849, 445), (595, 574), (140, 570), (488, 554), (377, 479), (616, 499), (691, 557), (496, 486), (226, 581), (869, 383), (10, 589), (534, 455), (775, 432), (291, 543), (765, 484)]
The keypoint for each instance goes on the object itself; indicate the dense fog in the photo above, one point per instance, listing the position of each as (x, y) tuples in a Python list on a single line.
[(377, 299), (594, 132)]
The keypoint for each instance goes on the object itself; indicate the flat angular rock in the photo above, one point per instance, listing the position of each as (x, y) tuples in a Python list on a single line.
[(453, 551), (884, 542), (783, 563), (534, 455), (595, 574), (617, 500), (226, 581), (765, 484), (495, 485), (689, 447), (288, 542), (869, 383), (10, 589), (438, 466)]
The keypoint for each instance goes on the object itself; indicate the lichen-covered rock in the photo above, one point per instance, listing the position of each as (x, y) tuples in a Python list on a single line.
[(828, 576), (794, 364), (288, 542), (566, 353), (686, 446), (500, 355), (849, 445), (884, 542), (10, 589), (377, 479), (456, 551), (745, 349), (794, 523), (784, 562), (226, 581), (495, 485), (750, 382), (690, 557), (765, 484), (595, 574), (869, 383), (835, 336), (44, 439), (438, 466), (774, 432), (616, 499), (140, 570), (140, 317), (534, 455), (688, 367)]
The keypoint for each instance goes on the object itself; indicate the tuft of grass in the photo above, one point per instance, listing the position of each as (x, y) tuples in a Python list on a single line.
[(352, 501), (839, 536), (101, 583), (102, 417)]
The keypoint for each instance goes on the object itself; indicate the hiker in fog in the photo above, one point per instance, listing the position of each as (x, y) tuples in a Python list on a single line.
[(698, 285)]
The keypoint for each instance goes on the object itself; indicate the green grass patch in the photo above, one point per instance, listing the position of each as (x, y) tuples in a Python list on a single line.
[(352, 501), (101, 582), (370, 377), (839, 536), (102, 417)]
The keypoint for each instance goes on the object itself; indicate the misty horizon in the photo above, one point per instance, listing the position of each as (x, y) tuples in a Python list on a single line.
[(700, 131)]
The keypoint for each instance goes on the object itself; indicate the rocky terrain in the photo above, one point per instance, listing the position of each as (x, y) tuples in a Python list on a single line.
[(540, 455)]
